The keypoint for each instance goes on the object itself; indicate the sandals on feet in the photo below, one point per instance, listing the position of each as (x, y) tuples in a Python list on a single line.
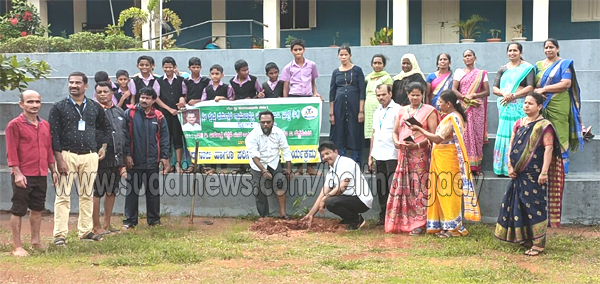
[(59, 242), (92, 237), (445, 234), (533, 252), (416, 232)]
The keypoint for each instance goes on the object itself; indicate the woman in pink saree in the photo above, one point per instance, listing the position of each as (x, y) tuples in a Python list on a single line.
[(471, 86), (407, 202)]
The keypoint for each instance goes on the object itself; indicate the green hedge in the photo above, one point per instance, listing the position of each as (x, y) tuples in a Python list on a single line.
[(83, 41)]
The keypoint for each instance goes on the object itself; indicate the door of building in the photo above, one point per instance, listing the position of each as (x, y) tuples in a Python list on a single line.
[(438, 16)]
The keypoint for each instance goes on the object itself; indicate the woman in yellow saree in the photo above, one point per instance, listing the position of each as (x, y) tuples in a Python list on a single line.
[(450, 173)]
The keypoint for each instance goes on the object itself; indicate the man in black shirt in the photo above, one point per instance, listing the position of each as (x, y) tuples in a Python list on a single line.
[(74, 123)]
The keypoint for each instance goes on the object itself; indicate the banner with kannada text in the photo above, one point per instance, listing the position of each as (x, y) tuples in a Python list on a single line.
[(221, 128)]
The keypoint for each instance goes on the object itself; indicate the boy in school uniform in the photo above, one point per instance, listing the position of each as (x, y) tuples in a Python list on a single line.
[(196, 83), (274, 87), (298, 79), (172, 94), (144, 79), (245, 86), (217, 90), (122, 94)]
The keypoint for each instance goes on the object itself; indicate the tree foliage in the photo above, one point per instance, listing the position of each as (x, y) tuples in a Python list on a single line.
[(18, 73), (140, 17)]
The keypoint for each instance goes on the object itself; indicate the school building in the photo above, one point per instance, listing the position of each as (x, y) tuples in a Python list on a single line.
[(318, 21)]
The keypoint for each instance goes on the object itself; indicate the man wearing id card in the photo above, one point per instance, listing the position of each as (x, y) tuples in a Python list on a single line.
[(383, 156), (345, 193), (74, 124)]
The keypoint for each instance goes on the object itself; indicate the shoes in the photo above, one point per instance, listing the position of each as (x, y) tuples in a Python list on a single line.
[(91, 237), (344, 222), (355, 226)]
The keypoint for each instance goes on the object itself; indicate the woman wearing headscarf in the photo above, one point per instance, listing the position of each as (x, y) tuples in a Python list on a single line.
[(410, 73), (377, 77)]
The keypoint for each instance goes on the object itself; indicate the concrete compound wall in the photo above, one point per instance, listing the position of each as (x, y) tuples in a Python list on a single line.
[(581, 188)]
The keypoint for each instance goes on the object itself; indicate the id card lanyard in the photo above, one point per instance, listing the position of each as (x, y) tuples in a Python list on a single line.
[(81, 125)]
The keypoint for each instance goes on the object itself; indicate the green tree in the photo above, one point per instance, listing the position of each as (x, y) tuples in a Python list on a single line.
[(18, 73), (139, 17)]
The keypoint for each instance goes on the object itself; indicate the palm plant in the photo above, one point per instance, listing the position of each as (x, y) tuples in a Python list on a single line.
[(139, 17), (470, 29)]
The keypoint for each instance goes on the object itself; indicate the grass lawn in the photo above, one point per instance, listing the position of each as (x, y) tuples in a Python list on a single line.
[(227, 252)]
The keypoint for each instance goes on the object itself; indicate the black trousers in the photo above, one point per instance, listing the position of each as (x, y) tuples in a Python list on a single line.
[(345, 206), (265, 187), (175, 131), (385, 174), (150, 180)]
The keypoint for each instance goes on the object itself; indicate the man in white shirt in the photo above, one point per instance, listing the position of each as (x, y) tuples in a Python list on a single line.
[(191, 124), (263, 146), (382, 146), (345, 193)]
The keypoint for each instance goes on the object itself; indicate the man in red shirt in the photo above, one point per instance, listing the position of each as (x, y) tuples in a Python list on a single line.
[(29, 151)]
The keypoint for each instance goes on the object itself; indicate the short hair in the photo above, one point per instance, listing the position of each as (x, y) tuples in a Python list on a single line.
[(122, 73), (195, 61), (327, 145), (271, 65), (22, 96), (415, 86), (266, 112), (216, 67), (147, 58), (101, 76), (103, 84), (388, 87), (190, 112), (299, 42), (169, 59), (81, 74), (238, 65), (148, 91)]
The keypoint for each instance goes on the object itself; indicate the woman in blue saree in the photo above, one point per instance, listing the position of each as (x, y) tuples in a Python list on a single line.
[(556, 81), (533, 199), (513, 81), (440, 80)]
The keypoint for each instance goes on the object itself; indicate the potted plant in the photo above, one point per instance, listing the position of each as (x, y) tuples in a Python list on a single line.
[(518, 30), (257, 43), (382, 37), (495, 35), (288, 40), (470, 29), (337, 35)]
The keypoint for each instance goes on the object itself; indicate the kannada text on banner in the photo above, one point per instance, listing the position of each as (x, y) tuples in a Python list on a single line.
[(221, 128)]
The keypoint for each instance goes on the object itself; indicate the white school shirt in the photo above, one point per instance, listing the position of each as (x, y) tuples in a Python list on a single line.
[(266, 148), (344, 168), (384, 120)]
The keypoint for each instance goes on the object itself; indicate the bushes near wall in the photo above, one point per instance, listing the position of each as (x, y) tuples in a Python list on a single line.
[(83, 41)]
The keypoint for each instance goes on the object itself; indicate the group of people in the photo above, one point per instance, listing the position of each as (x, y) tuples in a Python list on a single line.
[(426, 137)]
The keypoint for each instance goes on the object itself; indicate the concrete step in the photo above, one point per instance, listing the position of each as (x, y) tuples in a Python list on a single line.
[(579, 206)]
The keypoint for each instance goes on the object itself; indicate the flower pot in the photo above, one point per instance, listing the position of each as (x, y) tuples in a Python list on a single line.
[(333, 45), (467, 40), (385, 43), (256, 47), (519, 39), (495, 39), (287, 46)]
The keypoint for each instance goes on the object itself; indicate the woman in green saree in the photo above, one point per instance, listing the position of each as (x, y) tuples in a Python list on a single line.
[(374, 79), (556, 81)]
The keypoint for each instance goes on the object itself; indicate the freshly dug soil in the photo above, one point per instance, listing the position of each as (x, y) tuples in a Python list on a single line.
[(272, 226)]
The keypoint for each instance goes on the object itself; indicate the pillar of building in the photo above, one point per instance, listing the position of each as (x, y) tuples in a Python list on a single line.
[(79, 14), (400, 22), (42, 7), (271, 33), (541, 14), (514, 16), (368, 17), (218, 12)]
